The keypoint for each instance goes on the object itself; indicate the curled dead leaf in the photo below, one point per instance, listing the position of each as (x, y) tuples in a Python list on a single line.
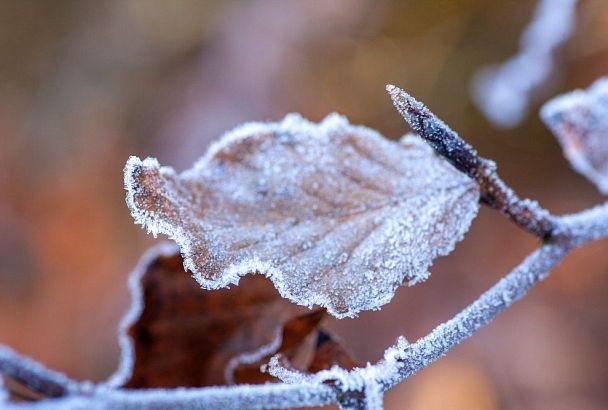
[(181, 335), (333, 214), (293, 344), (177, 334)]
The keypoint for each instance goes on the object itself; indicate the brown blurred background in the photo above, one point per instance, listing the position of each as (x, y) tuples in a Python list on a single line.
[(84, 84)]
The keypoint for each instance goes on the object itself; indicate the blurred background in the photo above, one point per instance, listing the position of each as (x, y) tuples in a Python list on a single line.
[(84, 84)]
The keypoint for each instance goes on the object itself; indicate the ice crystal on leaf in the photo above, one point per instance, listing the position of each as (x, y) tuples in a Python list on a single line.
[(333, 214), (579, 120)]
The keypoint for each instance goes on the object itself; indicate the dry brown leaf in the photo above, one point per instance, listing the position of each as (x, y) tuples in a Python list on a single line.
[(333, 214), (579, 120), (180, 335), (183, 335), (329, 352), (291, 345), (297, 351)]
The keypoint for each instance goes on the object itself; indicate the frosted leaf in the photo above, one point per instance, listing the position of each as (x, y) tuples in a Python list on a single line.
[(579, 120), (333, 214)]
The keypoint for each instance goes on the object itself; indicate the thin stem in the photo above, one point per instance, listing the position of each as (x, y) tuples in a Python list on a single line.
[(266, 396), (494, 191), (34, 375), (500, 296), (585, 226)]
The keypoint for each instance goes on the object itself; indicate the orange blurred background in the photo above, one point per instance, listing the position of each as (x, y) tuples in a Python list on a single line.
[(84, 84)]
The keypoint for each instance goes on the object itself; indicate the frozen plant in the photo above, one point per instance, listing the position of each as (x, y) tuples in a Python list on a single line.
[(334, 215)]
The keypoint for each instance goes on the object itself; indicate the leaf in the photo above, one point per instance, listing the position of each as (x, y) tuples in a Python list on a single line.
[(579, 120), (295, 353), (333, 214), (291, 344), (180, 335), (329, 352)]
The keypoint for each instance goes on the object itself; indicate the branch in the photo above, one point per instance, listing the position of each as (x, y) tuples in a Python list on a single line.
[(585, 226), (36, 376), (500, 296), (265, 396), (494, 191)]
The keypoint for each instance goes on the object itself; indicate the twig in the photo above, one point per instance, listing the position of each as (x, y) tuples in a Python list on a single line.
[(585, 226), (34, 375), (494, 191), (500, 296), (265, 396)]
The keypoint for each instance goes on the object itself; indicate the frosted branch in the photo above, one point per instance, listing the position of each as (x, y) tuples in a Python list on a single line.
[(449, 334), (494, 191), (504, 92), (587, 225), (266, 396), (35, 376)]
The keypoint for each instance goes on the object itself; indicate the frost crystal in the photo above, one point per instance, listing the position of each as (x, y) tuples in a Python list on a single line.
[(503, 92), (333, 214), (579, 120)]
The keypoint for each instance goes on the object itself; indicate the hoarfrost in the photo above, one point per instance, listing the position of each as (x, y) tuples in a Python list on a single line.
[(333, 214), (267, 396), (503, 92), (579, 120), (36, 376)]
